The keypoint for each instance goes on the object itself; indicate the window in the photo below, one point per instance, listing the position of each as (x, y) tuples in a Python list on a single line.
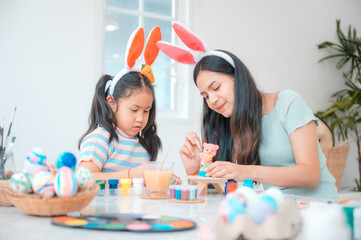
[(122, 17)]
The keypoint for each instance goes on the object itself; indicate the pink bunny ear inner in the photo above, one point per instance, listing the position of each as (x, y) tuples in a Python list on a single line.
[(176, 53), (188, 38), (134, 47), (151, 50)]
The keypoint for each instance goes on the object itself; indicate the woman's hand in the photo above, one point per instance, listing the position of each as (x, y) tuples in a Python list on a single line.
[(223, 169), (176, 180), (189, 153)]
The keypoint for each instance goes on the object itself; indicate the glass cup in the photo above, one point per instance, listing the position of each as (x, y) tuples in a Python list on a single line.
[(158, 177)]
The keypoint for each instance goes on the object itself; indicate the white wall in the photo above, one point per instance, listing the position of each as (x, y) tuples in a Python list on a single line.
[(51, 57)]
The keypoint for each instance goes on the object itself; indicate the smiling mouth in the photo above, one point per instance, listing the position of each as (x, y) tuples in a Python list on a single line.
[(137, 128), (221, 107)]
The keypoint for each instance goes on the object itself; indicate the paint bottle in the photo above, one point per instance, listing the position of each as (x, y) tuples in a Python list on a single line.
[(101, 183), (349, 216), (225, 188), (185, 193), (178, 192), (248, 183), (192, 192), (172, 191), (125, 185), (138, 186), (113, 186), (357, 223), (231, 187)]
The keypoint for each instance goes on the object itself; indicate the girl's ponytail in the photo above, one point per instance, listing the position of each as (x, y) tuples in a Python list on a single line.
[(101, 113)]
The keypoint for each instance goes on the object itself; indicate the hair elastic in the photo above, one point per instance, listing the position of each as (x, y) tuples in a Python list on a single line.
[(192, 41), (134, 49)]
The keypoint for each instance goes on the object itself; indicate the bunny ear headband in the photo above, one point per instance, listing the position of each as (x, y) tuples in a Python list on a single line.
[(134, 50), (193, 42)]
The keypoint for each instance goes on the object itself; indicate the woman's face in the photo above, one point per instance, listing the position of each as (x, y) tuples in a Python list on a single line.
[(218, 90)]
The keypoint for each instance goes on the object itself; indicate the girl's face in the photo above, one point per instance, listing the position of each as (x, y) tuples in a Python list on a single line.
[(132, 112), (218, 90)]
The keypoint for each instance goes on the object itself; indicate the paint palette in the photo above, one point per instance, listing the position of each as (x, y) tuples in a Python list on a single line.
[(126, 222)]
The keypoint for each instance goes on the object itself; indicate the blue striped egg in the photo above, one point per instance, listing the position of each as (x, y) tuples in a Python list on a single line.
[(65, 183), (43, 184)]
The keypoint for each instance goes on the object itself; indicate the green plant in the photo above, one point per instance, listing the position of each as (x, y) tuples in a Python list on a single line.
[(344, 115)]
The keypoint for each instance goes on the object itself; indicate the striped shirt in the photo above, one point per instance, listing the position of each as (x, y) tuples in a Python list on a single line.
[(121, 154)]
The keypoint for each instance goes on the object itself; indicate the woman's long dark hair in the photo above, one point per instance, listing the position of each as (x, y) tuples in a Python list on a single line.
[(238, 137), (102, 115)]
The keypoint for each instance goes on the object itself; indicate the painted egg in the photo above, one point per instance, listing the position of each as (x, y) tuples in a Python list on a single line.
[(65, 182), (84, 177), (270, 201), (35, 161), (43, 184), (66, 159), (248, 193), (20, 182), (51, 169), (232, 206), (276, 194), (259, 210)]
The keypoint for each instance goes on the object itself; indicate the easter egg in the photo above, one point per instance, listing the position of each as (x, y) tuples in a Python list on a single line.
[(65, 183), (84, 177), (259, 210), (248, 193), (232, 206), (43, 184), (276, 194), (66, 159), (35, 161), (20, 182), (237, 208), (269, 200)]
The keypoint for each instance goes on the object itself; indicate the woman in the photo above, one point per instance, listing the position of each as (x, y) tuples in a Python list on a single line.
[(267, 137)]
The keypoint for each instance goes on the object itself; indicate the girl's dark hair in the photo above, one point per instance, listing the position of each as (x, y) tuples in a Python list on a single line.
[(238, 137), (102, 115)]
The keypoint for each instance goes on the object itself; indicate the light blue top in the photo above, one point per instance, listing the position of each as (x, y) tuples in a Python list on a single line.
[(290, 113)]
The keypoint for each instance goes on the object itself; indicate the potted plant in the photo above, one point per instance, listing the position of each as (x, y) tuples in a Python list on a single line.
[(344, 115)]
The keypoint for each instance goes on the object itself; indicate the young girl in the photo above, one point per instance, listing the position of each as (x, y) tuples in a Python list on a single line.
[(267, 137), (123, 134)]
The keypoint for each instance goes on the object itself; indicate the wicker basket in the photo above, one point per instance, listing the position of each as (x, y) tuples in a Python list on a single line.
[(336, 158), (4, 186), (33, 204)]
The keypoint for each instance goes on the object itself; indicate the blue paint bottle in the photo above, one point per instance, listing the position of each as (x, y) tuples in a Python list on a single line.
[(113, 186)]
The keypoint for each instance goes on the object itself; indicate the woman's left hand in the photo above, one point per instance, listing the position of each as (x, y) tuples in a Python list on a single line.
[(176, 180), (224, 170)]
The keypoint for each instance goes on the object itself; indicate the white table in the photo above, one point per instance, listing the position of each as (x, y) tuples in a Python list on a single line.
[(14, 224)]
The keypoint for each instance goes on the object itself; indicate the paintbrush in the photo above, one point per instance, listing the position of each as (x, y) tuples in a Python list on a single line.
[(8, 150), (198, 144), (165, 157), (2, 132), (9, 130)]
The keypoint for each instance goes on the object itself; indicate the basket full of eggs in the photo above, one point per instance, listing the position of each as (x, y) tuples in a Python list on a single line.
[(47, 190), (245, 214)]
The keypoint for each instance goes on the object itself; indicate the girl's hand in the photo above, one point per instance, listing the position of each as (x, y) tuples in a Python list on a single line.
[(176, 180), (223, 169), (189, 153)]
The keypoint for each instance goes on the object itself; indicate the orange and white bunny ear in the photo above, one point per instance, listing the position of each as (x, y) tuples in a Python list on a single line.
[(178, 54), (134, 47), (151, 50), (189, 39)]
